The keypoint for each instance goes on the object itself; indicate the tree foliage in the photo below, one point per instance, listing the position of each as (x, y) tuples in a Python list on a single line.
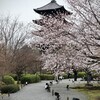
[(86, 29), (71, 41)]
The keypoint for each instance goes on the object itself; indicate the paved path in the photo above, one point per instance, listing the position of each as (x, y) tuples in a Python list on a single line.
[(36, 91), (65, 93)]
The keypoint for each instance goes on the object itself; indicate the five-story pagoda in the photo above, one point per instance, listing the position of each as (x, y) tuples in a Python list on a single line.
[(54, 34)]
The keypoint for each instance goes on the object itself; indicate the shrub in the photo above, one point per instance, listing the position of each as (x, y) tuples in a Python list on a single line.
[(96, 75), (14, 76), (46, 77), (81, 74), (71, 75), (9, 88), (49, 77), (65, 76), (37, 78), (29, 78), (42, 76), (8, 80), (1, 84)]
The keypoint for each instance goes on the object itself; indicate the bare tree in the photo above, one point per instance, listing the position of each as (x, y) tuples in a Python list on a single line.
[(24, 60), (12, 37)]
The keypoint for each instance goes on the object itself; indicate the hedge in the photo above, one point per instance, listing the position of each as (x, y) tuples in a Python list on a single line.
[(65, 76), (72, 75), (81, 74), (30, 78), (8, 80), (9, 88), (46, 77)]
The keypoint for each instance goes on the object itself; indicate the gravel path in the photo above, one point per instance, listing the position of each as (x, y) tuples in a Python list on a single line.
[(36, 91)]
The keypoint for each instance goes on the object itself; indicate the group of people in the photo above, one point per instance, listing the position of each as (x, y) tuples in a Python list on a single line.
[(48, 88)]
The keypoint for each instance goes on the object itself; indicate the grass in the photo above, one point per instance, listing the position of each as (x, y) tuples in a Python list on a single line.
[(93, 92)]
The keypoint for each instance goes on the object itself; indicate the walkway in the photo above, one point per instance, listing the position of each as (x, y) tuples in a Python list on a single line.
[(37, 92)]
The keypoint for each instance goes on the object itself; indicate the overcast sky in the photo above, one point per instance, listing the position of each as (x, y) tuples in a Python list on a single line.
[(24, 8)]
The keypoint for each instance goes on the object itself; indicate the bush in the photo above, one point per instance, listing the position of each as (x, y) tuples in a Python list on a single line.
[(1, 84), (96, 76), (65, 76), (42, 76), (29, 78), (46, 77), (81, 74), (14, 76), (9, 88), (8, 80), (37, 78), (71, 75)]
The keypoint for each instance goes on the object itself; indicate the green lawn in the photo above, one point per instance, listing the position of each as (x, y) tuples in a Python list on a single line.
[(92, 94)]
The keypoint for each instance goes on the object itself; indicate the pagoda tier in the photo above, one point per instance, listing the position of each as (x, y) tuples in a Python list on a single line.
[(52, 8), (41, 22)]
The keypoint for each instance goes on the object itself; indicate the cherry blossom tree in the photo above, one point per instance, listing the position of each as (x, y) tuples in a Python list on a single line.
[(72, 40), (86, 29), (59, 50)]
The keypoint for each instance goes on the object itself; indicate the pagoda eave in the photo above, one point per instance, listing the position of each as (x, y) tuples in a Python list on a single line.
[(53, 11), (38, 22)]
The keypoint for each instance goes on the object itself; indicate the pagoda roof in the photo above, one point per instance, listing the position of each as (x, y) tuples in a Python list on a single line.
[(51, 8)]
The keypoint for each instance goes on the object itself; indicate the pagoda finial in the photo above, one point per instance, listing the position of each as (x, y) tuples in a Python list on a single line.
[(53, 1)]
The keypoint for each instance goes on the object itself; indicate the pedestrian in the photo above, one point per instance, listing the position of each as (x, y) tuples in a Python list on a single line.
[(57, 96), (26, 83), (47, 87), (57, 76)]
